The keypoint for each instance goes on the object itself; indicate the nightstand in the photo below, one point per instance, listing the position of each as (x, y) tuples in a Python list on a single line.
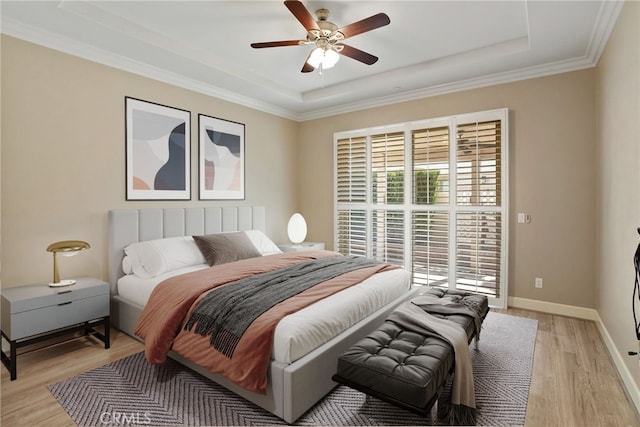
[(35, 313), (304, 246)]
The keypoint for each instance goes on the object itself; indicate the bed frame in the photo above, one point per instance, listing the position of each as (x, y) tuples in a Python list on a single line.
[(293, 388)]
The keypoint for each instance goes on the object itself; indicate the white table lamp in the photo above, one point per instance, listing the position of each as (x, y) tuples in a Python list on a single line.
[(297, 229)]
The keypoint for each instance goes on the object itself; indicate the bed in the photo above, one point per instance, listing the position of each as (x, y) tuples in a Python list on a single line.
[(299, 374)]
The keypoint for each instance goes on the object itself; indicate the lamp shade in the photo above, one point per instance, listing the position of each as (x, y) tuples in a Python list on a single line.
[(297, 229), (68, 246)]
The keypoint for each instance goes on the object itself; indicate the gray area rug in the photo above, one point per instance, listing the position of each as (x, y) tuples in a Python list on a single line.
[(131, 392)]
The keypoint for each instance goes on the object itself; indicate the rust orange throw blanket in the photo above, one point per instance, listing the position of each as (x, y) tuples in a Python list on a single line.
[(170, 304)]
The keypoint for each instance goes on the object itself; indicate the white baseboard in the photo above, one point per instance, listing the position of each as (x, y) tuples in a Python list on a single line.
[(629, 383), (554, 308)]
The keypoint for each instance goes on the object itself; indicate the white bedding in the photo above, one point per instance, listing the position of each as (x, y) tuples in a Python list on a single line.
[(137, 290), (299, 333)]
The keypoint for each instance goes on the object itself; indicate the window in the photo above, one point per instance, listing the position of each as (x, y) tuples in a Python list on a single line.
[(351, 181), (428, 195), (429, 217)]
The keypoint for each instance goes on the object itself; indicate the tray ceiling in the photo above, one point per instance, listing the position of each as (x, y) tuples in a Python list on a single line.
[(430, 47)]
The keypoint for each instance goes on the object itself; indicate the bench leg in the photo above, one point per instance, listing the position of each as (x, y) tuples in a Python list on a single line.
[(433, 414)]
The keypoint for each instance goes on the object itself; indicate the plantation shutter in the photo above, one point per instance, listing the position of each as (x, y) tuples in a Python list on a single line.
[(478, 252), (430, 186), (351, 170), (387, 236), (351, 183), (387, 164), (478, 201), (428, 195), (430, 149), (352, 232), (387, 188)]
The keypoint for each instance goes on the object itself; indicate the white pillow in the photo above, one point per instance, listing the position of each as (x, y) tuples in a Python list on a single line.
[(264, 245), (127, 266), (154, 257)]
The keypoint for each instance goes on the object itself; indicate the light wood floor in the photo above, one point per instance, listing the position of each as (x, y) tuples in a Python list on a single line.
[(573, 381)]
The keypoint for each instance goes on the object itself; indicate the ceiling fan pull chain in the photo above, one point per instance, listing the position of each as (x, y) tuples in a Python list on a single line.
[(320, 72)]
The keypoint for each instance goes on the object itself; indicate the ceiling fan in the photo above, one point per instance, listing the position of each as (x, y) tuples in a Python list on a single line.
[(327, 37)]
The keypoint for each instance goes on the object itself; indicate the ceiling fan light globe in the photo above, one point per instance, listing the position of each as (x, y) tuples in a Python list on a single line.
[(331, 58), (328, 58), (316, 57)]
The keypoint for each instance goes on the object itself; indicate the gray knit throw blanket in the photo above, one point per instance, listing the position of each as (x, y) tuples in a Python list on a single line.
[(451, 304), (412, 318), (226, 312)]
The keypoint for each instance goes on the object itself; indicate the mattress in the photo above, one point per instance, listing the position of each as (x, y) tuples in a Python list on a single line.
[(299, 333)]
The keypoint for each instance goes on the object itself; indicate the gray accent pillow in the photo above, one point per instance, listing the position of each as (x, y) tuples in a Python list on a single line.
[(226, 247)]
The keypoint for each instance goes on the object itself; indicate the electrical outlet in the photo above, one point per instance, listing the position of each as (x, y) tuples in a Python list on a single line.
[(538, 282)]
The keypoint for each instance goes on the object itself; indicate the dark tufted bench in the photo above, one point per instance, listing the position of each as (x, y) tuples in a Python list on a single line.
[(402, 367)]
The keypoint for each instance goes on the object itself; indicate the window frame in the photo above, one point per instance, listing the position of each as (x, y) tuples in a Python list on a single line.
[(408, 207)]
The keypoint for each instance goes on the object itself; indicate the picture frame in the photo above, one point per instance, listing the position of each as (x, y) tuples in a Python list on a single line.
[(158, 151), (221, 159)]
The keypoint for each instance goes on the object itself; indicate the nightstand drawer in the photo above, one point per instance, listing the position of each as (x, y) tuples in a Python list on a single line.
[(32, 297), (65, 313)]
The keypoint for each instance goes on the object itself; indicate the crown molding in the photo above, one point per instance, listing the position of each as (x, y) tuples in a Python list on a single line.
[(458, 86), (607, 16), (91, 53), (605, 22)]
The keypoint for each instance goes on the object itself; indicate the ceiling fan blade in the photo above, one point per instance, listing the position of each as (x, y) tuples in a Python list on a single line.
[(278, 43), (367, 24), (358, 54), (302, 14), (306, 68)]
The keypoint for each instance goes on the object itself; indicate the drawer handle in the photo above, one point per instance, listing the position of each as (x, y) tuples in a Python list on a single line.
[(65, 303)]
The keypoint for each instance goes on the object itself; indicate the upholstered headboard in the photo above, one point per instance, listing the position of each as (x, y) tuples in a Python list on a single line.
[(128, 226)]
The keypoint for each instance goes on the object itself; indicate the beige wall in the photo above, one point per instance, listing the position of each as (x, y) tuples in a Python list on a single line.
[(63, 157), (618, 183), (63, 165), (552, 177)]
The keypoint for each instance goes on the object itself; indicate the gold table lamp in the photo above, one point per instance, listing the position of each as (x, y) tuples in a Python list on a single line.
[(66, 248)]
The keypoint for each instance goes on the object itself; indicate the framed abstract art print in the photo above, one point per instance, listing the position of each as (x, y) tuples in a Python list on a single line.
[(221, 159), (158, 140)]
